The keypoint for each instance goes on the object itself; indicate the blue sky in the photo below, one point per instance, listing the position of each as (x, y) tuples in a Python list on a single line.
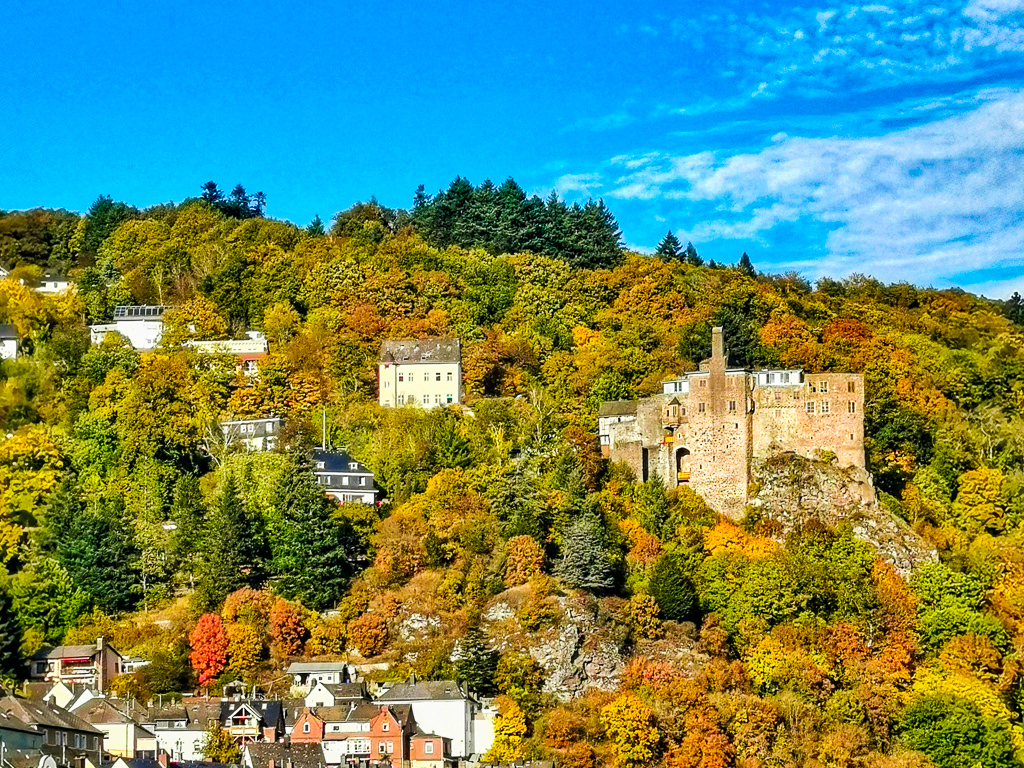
[(827, 138)]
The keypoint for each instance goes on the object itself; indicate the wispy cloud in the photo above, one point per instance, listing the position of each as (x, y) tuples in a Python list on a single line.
[(585, 184), (922, 203)]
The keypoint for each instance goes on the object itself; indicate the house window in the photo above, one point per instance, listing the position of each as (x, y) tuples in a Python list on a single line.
[(824, 406), (305, 727), (606, 439), (684, 410), (426, 376), (437, 376), (703, 382), (700, 407), (386, 727), (437, 399), (335, 727), (810, 406), (401, 377), (850, 386), (344, 480), (771, 378), (362, 481), (412, 399), (40, 667), (449, 375), (391, 747), (380, 747), (851, 406), (732, 405), (197, 745), (428, 748), (785, 378), (823, 386), (401, 399)]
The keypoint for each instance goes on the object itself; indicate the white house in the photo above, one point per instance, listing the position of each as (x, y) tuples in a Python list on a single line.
[(308, 673), (335, 694), (425, 373), (143, 326), (343, 478), (252, 434), (442, 707), (248, 352), (8, 342), (53, 282)]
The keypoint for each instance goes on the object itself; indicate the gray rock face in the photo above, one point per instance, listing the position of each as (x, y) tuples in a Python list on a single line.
[(576, 654), (793, 490)]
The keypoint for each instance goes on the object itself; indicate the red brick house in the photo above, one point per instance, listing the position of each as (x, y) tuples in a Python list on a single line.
[(390, 732), (308, 728), (428, 750)]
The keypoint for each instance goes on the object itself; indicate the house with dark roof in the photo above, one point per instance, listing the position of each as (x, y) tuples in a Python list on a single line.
[(253, 720), (343, 478), (180, 728), (53, 282), (92, 666), (422, 373), (442, 707), (65, 736), (16, 734), (332, 694), (8, 342), (280, 755), (123, 736), (308, 673)]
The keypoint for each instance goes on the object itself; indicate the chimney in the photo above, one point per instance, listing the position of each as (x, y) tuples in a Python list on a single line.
[(717, 346)]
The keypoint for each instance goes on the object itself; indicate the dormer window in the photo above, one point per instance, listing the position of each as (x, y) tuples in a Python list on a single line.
[(386, 726), (305, 727), (319, 465)]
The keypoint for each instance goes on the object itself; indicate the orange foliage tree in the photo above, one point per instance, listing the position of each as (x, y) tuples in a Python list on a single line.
[(209, 644)]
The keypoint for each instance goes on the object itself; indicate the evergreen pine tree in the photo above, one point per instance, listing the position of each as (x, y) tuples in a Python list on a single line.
[(233, 549), (315, 228), (99, 554), (585, 563), (692, 257), (476, 663), (10, 637), (316, 552), (188, 513), (669, 248), (745, 267)]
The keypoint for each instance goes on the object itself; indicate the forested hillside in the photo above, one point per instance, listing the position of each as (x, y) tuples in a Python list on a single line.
[(123, 514)]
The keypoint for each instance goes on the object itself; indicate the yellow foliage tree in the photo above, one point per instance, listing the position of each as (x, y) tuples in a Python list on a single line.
[(195, 319), (30, 467), (629, 723), (509, 731)]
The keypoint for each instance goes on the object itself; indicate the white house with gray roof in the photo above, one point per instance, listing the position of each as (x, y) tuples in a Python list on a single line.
[(421, 373), (442, 707)]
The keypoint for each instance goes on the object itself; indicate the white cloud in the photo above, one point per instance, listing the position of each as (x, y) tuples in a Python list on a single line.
[(585, 183), (922, 204)]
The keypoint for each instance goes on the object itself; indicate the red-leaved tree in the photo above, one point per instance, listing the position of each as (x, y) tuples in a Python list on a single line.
[(209, 648)]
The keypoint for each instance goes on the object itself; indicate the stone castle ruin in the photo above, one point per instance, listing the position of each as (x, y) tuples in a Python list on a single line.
[(711, 428)]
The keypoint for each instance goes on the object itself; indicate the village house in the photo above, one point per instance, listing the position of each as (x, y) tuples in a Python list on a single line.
[(428, 750), (270, 755), (122, 735), (390, 731), (335, 694), (424, 373), (252, 435), (442, 707), (709, 428), (180, 728), (53, 282), (253, 720), (8, 342), (343, 478), (308, 673), (91, 666), (65, 736), (247, 352), (142, 326)]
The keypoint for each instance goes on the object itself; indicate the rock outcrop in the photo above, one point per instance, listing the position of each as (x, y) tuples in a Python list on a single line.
[(790, 490)]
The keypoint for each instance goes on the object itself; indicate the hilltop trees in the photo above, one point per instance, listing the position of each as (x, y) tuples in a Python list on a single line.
[(669, 248)]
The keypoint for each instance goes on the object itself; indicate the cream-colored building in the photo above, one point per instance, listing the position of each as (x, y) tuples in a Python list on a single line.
[(423, 373)]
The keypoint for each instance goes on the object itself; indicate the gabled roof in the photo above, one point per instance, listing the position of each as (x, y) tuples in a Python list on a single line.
[(345, 713), (304, 755), (334, 461), (73, 652), (8, 722), (344, 691), (302, 667), (617, 408), (427, 351), (272, 712), (427, 690), (47, 715), (401, 712), (101, 711)]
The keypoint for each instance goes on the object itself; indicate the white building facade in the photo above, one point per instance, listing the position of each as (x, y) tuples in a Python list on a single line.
[(143, 326), (421, 373)]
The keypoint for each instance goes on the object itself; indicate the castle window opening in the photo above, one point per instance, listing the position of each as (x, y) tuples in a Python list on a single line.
[(823, 386), (700, 407), (824, 406), (732, 406), (810, 406), (851, 407), (851, 435), (850, 386), (703, 382)]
